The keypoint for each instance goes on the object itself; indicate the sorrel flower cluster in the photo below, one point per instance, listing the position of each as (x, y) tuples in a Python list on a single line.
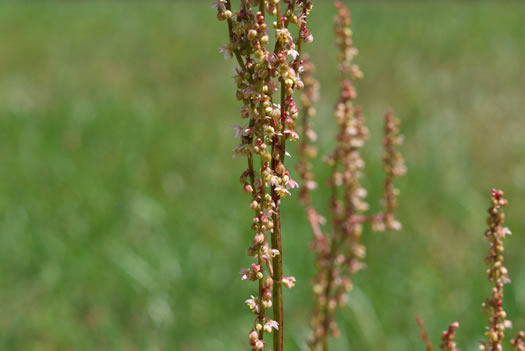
[(447, 338), (340, 254), (498, 275), (305, 149), (266, 79)]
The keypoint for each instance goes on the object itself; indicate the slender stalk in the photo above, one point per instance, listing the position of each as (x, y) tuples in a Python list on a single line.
[(423, 334), (498, 275), (340, 253)]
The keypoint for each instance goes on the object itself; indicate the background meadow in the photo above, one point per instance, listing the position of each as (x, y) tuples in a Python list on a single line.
[(123, 225)]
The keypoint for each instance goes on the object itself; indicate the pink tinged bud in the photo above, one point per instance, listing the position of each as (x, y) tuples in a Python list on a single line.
[(256, 268), (254, 204), (253, 337), (260, 17), (267, 295), (280, 168), (309, 38), (271, 325), (259, 238), (395, 225), (292, 134), (267, 304), (356, 72), (268, 283), (252, 34), (289, 282), (248, 188), (259, 345)]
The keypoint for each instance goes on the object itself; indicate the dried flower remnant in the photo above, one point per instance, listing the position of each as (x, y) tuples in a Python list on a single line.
[(262, 74), (448, 343), (340, 254)]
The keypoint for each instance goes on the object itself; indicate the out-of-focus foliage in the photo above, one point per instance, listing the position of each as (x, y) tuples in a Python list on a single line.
[(123, 223)]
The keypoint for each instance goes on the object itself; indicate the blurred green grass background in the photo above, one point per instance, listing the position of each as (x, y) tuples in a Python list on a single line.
[(123, 225)]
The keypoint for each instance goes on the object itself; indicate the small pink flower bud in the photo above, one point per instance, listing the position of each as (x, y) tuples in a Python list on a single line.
[(289, 282), (267, 295), (253, 337), (267, 304), (259, 238), (259, 345), (280, 168), (252, 34)]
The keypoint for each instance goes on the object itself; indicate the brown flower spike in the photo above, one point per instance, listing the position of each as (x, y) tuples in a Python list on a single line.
[(498, 275), (340, 254)]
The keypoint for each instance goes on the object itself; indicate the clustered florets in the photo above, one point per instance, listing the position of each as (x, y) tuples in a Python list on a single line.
[(498, 275), (305, 149), (260, 74), (341, 254), (517, 342), (447, 338)]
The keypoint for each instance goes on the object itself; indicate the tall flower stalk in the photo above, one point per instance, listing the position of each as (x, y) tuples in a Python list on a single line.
[(266, 79), (340, 254), (498, 276)]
